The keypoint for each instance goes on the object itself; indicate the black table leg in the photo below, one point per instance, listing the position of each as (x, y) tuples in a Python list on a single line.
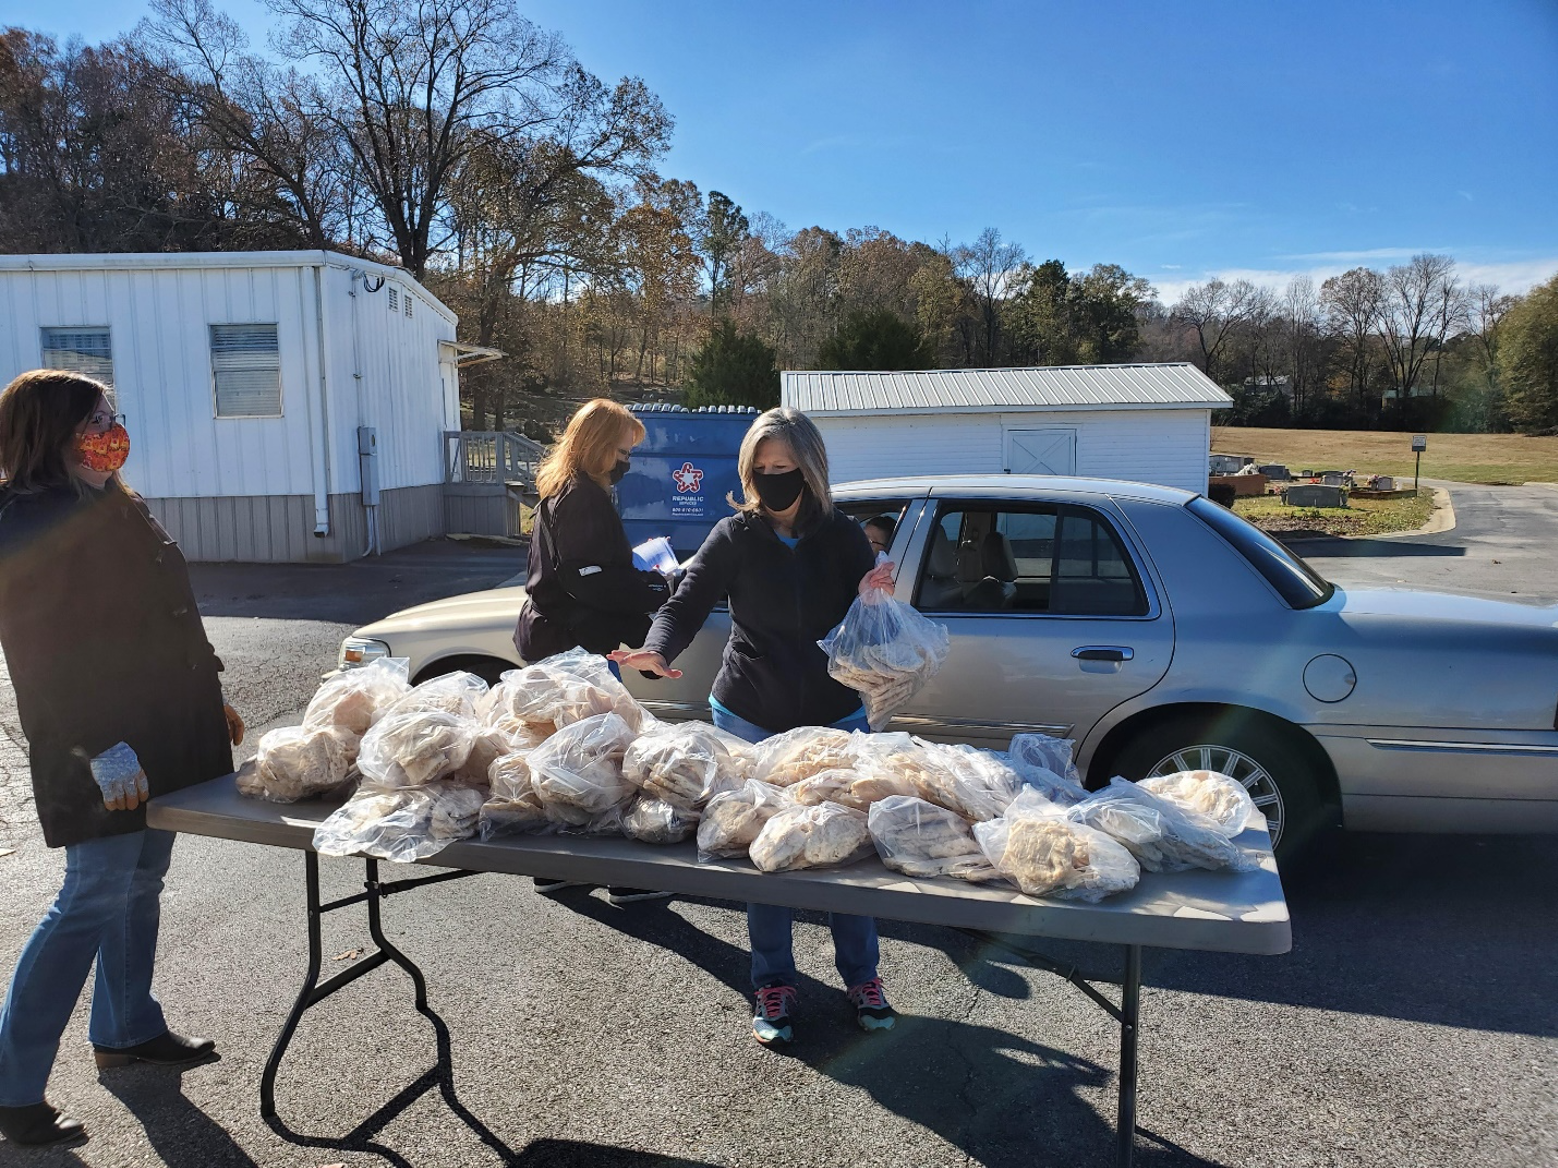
[(1130, 1015)]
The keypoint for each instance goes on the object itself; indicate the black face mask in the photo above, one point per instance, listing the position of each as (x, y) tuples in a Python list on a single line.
[(778, 492), (619, 470)]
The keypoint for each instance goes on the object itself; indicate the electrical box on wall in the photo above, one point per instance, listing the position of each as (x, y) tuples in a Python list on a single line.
[(368, 464)]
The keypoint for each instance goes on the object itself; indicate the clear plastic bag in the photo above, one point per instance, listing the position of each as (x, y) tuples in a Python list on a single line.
[(828, 835), (356, 698), (1222, 799), (734, 819), (923, 840), (1045, 764), (402, 826), (654, 821), (786, 759), (296, 762), (561, 690), (412, 749), (512, 806), (489, 744), (453, 693), (887, 651), (974, 783), (577, 772), (1043, 853), (686, 763), (1164, 836)]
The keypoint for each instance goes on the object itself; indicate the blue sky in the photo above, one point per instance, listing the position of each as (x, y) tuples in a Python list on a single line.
[(1180, 140)]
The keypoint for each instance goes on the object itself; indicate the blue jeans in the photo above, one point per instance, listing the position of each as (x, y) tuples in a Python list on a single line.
[(108, 909), (855, 951)]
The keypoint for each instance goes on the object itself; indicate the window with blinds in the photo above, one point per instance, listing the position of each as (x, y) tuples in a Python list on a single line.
[(246, 370), (87, 351)]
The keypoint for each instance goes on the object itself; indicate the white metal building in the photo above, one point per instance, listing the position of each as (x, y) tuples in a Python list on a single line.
[(249, 381), (1148, 423)]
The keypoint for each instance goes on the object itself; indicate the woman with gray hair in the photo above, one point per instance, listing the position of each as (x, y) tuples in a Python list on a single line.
[(791, 564)]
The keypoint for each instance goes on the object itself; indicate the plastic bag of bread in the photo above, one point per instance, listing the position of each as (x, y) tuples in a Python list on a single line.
[(452, 693), (733, 819), (887, 651), (974, 783), (295, 762), (356, 698), (1223, 800), (1160, 833), (828, 835), (512, 806), (921, 840), (402, 826), (786, 759), (414, 748), (654, 821), (1044, 853), (881, 769), (489, 744), (577, 772), (561, 690), (1045, 764), (686, 763)]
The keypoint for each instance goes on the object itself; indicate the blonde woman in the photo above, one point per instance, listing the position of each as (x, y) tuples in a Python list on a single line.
[(791, 564), (582, 588)]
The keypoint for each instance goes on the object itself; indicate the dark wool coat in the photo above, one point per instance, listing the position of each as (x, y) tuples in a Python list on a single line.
[(582, 588), (104, 645), (782, 602)]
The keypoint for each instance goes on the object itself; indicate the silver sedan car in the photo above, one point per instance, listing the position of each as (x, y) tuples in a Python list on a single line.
[(1161, 632)]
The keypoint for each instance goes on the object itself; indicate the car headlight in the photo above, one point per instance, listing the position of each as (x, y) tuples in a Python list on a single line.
[(359, 651)]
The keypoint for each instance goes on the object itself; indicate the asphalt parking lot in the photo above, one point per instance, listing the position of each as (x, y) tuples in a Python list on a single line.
[(1414, 1023)]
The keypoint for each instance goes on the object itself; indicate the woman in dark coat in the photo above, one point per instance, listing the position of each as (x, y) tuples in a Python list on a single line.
[(583, 589), (119, 698)]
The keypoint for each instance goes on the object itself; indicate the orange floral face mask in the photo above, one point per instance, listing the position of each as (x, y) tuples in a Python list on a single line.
[(106, 452)]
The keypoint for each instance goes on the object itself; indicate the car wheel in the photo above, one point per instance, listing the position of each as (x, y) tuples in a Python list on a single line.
[(489, 669), (1268, 767)]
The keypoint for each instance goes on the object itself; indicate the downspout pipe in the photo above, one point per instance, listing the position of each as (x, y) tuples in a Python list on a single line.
[(322, 452)]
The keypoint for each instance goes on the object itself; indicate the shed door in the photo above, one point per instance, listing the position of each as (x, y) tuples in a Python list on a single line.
[(1052, 452)]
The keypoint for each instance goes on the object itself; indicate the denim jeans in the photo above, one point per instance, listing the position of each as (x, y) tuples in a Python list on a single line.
[(109, 909), (768, 926)]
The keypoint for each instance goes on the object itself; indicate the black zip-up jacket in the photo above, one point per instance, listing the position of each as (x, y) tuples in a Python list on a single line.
[(782, 602), (104, 644), (582, 588)]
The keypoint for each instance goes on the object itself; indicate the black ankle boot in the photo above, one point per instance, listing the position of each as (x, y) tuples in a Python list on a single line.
[(168, 1050), (39, 1124)]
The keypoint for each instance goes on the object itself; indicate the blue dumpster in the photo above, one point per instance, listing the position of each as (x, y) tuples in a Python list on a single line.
[(682, 472)]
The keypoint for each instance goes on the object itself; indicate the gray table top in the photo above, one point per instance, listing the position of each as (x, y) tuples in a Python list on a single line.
[(1233, 912)]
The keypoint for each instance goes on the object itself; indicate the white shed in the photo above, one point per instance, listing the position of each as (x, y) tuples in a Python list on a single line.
[(263, 391), (1148, 423)]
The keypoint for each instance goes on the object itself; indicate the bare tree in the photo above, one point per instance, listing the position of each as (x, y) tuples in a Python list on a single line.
[(1353, 303), (1422, 305), (1215, 311), (1486, 309), (1302, 319), (990, 267)]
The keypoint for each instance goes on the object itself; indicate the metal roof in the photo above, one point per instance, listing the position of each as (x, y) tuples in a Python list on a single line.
[(1165, 386), (1012, 485)]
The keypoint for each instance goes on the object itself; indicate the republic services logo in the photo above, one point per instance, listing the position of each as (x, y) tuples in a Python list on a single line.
[(688, 480)]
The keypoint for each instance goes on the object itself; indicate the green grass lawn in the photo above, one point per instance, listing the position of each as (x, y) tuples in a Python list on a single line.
[(1461, 458), (1361, 517)]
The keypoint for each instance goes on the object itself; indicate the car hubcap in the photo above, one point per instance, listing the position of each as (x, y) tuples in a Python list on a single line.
[(1237, 765)]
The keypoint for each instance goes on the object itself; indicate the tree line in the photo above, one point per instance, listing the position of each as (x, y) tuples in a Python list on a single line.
[(459, 140)]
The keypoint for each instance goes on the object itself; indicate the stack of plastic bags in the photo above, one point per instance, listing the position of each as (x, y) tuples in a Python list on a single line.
[(887, 651)]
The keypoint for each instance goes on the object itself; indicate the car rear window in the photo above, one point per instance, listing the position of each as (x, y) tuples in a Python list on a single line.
[(1299, 584)]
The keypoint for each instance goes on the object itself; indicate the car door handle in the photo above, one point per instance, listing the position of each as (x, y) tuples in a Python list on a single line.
[(1103, 653)]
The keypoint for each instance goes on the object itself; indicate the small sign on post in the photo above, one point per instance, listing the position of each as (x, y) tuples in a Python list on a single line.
[(1419, 444)]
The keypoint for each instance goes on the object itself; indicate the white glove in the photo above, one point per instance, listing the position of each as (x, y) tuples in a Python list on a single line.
[(119, 776)]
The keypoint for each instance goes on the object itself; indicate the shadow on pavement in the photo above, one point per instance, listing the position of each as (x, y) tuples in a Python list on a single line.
[(576, 1154), (1375, 548), (179, 1131), (357, 592)]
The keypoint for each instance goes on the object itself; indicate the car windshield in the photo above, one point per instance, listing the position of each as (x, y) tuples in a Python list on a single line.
[(1300, 585)]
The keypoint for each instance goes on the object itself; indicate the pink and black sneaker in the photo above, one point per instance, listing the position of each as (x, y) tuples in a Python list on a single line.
[(771, 1019), (871, 1008)]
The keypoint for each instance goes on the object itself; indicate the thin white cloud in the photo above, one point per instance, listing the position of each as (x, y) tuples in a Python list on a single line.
[(1511, 276)]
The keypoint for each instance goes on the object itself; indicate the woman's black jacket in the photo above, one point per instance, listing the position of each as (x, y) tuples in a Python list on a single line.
[(104, 645), (782, 602), (582, 588)]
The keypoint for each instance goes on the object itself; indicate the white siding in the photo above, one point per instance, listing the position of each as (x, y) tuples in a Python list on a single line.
[(1167, 447)]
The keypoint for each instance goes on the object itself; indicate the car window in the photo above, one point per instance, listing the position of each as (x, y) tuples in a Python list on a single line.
[(1299, 584), (1060, 559), (880, 517)]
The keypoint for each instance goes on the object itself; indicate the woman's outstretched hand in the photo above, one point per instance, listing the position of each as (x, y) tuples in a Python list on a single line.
[(644, 662), (878, 579)]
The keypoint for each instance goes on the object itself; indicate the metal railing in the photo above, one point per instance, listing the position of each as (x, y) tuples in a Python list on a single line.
[(498, 458)]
